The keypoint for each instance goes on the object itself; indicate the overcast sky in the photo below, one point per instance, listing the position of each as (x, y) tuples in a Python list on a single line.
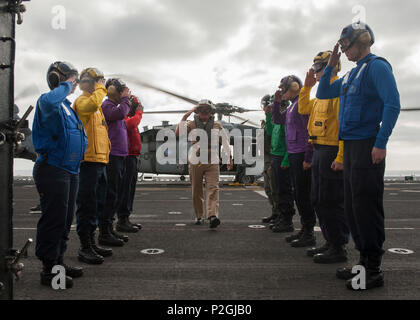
[(224, 50)]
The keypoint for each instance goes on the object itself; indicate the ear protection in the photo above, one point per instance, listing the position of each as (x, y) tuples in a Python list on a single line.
[(59, 72), (115, 86), (292, 83)]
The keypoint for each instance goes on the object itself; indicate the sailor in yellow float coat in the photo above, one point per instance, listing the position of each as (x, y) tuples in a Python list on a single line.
[(93, 181)]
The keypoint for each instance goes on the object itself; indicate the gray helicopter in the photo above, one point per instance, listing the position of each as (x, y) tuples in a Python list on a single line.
[(148, 163)]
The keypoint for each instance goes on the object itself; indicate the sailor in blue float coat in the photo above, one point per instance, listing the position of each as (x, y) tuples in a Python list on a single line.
[(369, 109), (60, 142)]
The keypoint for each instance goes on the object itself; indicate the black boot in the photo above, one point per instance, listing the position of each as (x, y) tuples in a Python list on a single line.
[(307, 239), (374, 274), (285, 225), (313, 251), (269, 219), (214, 222), (106, 238), (138, 225), (86, 252), (294, 236), (47, 276), (334, 254), (104, 252), (117, 235), (36, 209), (73, 272), (275, 221), (346, 274), (124, 226)]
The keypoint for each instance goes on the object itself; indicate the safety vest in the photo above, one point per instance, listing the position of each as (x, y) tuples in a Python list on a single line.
[(361, 108)]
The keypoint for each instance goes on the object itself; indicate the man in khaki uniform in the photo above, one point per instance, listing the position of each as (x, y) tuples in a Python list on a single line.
[(209, 170)]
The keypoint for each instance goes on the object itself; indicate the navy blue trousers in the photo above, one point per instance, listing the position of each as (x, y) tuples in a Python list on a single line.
[(91, 197), (283, 191), (115, 172), (301, 186), (363, 196), (128, 187), (57, 190), (327, 195)]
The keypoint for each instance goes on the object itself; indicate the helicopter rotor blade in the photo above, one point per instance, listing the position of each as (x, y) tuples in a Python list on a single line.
[(169, 111), (245, 120), (146, 85), (410, 109), (251, 110)]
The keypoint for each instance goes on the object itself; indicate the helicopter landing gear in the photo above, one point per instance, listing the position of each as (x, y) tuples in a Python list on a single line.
[(247, 179), (243, 179)]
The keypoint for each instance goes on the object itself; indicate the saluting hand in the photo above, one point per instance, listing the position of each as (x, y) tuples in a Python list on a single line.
[(335, 56), (278, 96), (125, 93), (73, 81), (267, 109), (185, 117), (101, 81), (310, 79), (378, 155)]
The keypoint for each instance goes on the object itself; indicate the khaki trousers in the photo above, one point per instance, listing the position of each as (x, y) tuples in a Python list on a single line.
[(211, 173)]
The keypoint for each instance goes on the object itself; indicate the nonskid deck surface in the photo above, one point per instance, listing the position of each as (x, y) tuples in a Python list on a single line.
[(234, 261)]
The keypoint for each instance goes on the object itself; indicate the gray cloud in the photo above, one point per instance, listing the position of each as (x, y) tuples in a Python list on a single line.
[(158, 40)]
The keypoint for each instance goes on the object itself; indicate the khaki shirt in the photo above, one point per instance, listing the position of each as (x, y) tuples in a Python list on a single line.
[(190, 125)]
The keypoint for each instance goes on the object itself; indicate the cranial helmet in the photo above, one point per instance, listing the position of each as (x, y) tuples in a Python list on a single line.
[(59, 72), (352, 32), (115, 86), (321, 61), (91, 74), (202, 104), (290, 82), (265, 101)]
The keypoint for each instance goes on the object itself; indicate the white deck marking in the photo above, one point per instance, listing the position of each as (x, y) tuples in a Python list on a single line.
[(261, 193)]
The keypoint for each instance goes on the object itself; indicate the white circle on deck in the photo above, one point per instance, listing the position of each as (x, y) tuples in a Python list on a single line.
[(401, 251), (317, 229), (174, 212), (180, 225), (256, 226), (237, 204), (152, 251)]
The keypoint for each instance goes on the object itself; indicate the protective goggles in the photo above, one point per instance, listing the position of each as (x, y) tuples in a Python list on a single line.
[(319, 66), (204, 109), (345, 44)]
